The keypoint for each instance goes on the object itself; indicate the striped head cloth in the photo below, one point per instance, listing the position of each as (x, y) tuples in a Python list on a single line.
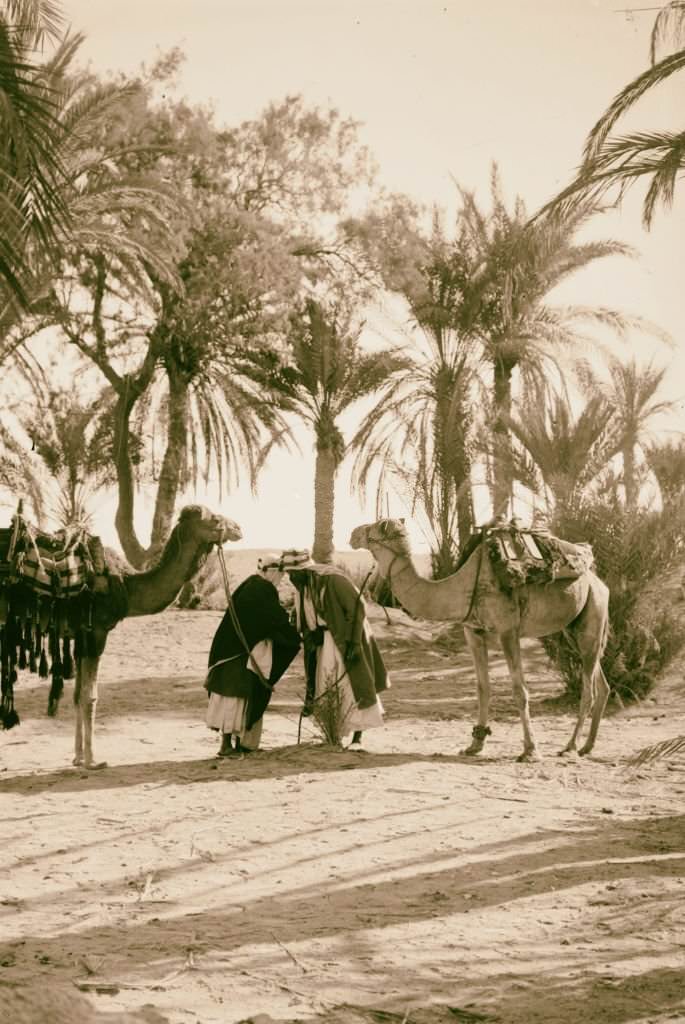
[(295, 558), (291, 558), (270, 560)]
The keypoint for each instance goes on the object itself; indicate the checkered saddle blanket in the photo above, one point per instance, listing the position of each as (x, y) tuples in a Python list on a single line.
[(61, 564)]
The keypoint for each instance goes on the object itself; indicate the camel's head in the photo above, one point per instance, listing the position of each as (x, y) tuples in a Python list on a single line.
[(383, 534), (207, 527)]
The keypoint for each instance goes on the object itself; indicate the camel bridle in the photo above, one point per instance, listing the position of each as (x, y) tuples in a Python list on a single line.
[(398, 552)]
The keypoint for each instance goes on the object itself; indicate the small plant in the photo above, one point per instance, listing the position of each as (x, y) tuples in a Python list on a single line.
[(328, 711)]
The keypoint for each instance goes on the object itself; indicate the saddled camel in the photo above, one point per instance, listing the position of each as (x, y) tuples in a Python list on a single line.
[(473, 597)]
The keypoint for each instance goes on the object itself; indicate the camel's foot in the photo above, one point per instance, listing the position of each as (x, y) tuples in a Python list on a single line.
[(78, 760), (568, 752), (94, 766), (529, 755), (472, 750), (480, 733), (586, 749)]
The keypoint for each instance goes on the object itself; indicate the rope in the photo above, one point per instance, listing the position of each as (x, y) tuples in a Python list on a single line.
[(241, 637), (236, 624)]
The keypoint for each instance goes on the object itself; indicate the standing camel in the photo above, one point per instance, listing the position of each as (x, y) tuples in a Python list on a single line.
[(144, 593), (473, 597)]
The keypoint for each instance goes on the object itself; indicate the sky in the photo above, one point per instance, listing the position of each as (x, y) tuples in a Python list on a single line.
[(441, 90)]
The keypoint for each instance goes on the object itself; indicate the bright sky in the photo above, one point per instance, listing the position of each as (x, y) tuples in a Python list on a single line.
[(442, 90)]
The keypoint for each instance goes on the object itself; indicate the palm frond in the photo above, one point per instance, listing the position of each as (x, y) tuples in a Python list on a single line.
[(669, 26), (628, 96), (658, 751)]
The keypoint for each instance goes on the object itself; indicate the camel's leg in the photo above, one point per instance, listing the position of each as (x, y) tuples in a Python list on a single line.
[(590, 632), (601, 695), (587, 700), (511, 645), (478, 646), (87, 687)]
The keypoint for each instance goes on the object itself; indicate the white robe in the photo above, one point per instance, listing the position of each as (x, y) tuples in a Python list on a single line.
[(331, 671)]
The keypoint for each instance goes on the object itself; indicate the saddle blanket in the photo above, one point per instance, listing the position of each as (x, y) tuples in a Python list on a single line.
[(60, 565)]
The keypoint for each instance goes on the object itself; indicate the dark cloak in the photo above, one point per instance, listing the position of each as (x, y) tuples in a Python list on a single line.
[(339, 603), (261, 617)]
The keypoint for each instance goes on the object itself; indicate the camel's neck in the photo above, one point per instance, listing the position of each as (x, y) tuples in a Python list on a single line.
[(446, 600), (152, 591)]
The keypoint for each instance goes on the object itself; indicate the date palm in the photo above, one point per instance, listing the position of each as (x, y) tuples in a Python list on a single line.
[(611, 160), (567, 451), (328, 373), (31, 204), (519, 327), (69, 457), (666, 459), (632, 390)]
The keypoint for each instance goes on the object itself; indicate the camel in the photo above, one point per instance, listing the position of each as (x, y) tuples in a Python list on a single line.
[(144, 593), (472, 596)]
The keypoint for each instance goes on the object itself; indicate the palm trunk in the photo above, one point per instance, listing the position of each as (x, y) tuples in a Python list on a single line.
[(324, 501), (502, 458), (629, 481), (465, 517), (173, 464), (134, 551)]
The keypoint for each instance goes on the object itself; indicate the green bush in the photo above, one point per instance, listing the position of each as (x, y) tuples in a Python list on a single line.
[(632, 550)]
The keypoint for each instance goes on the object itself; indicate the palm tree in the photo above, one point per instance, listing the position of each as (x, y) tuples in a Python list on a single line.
[(632, 391), (419, 437), (31, 203), (70, 455), (521, 262), (121, 217), (327, 374), (666, 459), (568, 451), (659, 156)]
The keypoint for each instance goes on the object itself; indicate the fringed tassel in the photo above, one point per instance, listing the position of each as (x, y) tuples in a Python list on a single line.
[(22, 663), (56, 671), (43, 663), (67, 660), (8, 715), (33, 664), (56, 688)]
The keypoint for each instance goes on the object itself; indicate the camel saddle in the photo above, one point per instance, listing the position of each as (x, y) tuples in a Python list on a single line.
[(51, 587), (529, 556), (60, 564)]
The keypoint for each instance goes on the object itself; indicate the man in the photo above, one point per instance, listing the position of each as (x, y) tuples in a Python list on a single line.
[(252, 648), (339, 647)]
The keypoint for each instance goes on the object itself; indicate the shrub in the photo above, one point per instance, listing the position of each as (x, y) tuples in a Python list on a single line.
[(632, 549), (328, 711)]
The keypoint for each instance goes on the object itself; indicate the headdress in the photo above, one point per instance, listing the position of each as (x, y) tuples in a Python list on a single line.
[(295, 558), (291, 558), (270, 560)]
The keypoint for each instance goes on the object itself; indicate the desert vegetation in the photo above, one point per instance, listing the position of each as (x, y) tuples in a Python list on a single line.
[(179, 297)]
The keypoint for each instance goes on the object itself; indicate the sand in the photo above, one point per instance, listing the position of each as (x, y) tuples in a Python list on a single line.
[(407, 883)]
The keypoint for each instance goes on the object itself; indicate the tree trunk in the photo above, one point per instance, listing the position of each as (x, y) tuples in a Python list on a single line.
[(324, 501), (174, 461), (629, 481), (502, 458), (135, 553)]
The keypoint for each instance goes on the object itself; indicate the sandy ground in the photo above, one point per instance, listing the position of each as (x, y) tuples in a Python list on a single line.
[(403, 884)]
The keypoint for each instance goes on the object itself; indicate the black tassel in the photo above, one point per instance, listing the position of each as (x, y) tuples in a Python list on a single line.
[(55, 693), (9, 717), (33, 666), (43, 665), (67, 661), (22, 657)]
